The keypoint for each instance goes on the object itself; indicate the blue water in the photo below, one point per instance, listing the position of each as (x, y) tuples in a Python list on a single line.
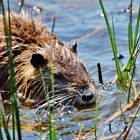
[(82, 21)]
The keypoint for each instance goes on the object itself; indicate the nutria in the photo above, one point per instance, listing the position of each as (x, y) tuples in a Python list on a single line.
[(35, 48)]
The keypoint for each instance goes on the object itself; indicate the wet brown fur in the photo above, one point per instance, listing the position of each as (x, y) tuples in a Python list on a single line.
[(30, 36)]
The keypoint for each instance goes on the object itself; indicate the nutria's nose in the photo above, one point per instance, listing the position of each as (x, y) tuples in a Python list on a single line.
[(87, 97)]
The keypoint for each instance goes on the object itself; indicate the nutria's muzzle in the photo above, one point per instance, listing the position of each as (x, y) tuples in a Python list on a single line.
[(86, 97)]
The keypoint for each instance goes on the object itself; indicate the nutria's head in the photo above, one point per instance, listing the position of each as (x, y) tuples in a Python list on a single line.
[(72, 83), (38, 56)]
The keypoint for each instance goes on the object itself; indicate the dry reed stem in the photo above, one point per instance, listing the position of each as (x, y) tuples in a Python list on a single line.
[(125, 108), (111, 137)]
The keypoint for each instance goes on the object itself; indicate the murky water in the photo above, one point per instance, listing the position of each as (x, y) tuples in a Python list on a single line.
[(82, 21)]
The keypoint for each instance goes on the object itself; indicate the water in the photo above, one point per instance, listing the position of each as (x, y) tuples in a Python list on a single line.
[(82, 21)]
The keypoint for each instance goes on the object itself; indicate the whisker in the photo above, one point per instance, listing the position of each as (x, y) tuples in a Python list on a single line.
[(50, 102), (62, 101), (55, 102), (56, 97), (68, 103), (74, 101)]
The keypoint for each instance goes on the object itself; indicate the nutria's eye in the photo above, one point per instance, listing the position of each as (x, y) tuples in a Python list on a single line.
[(37, 60)]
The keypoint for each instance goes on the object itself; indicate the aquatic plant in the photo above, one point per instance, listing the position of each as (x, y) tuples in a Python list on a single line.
[(15, 111), (124, 78), (126, 74), (51, 115)]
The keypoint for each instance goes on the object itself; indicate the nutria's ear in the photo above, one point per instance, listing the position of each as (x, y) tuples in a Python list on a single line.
[(74, 47), (37, 60)]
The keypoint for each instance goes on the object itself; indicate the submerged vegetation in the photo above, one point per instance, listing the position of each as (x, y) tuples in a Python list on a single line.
[(124, 79)]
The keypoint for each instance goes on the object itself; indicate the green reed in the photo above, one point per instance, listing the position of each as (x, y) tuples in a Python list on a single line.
[(113, 41), (5, 127), (126, 74), (52, 130), (1, 137), (51, 117), (15, 111), (3, 121)]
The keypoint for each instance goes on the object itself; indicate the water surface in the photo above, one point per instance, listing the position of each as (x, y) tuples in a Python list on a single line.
[(82, 21)]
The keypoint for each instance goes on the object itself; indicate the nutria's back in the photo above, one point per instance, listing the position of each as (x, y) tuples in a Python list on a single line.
[(35, 48)]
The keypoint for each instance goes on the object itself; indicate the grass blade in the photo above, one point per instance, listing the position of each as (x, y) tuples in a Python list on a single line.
[(14, 88), (51, 112), (15, 111), (3, 121), (1, 137), (137, 27), (52, 130), (112, 39), (4, 125), (130, 32)]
